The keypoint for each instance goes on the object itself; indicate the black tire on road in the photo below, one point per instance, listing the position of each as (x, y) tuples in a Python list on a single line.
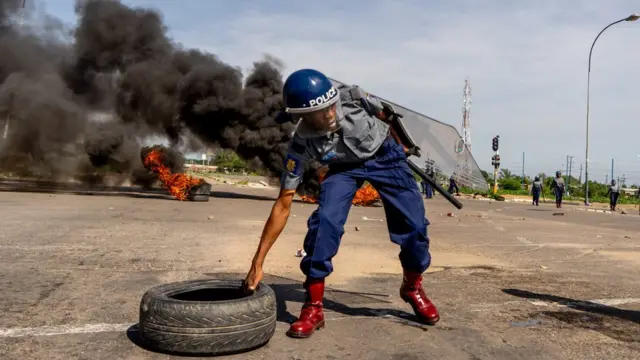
[(198, 197), (207, 317)]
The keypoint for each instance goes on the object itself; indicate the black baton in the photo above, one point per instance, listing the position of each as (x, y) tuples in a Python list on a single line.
[(434, 184)]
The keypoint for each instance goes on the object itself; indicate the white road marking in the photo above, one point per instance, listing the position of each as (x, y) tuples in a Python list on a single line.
[(587, 303), (612, 302), (63, 330), (100, 328), (583, 303), (48, 247)]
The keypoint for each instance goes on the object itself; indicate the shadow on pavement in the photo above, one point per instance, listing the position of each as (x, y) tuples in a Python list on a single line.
[(616, 323), (587, 306), (139, 194), (232, 195), (295, 293), (52, 187), (339, 301), (348, 303)]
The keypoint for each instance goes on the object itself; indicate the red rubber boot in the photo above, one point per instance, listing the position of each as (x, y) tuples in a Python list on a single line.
[(413, 293), (311, 317)]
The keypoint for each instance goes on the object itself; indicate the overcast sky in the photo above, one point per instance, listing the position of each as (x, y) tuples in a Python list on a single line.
[(527, 61)]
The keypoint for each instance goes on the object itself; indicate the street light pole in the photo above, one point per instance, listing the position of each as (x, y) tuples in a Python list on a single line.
[(632, 17)]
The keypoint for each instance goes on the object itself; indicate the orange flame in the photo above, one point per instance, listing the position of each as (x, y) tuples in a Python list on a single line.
[(365, 196), (178, 185)]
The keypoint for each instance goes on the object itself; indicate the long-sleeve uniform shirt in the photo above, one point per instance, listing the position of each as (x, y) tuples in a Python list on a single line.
[(536, 186), (614, 189), (558, 184), (357, 139)]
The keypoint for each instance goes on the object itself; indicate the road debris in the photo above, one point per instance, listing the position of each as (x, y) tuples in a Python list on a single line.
[(357, 228), (301, 253), (210, 217), (482, 216), (369, 219), (530, 322), (558, 214)]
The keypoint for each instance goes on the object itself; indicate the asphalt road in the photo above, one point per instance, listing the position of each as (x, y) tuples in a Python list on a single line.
[(511, 281)]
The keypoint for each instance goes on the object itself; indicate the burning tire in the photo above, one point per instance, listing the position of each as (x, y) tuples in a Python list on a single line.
[(200, 192), (206, 317)]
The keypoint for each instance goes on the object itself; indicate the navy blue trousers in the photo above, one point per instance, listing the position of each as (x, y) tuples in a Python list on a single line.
[(391, 176)]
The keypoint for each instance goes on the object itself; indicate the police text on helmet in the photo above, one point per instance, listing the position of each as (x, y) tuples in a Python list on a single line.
[(324, 98)]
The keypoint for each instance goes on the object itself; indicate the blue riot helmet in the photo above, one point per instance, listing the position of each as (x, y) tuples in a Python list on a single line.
[(309, 95), (308, 90), (558, 173)]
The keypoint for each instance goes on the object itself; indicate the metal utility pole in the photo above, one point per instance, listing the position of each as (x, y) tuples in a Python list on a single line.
[(580, 178), (569, 177), (523, 168), (632, 17), (611, 169)]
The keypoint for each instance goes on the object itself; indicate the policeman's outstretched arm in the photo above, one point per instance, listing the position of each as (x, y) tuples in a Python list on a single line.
[(290, 179), (272, 229)]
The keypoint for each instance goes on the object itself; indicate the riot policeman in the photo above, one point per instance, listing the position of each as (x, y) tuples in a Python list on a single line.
[(345, 129)]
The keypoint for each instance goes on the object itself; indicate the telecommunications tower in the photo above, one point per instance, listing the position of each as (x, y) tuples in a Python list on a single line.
[(466, 113), (463, 170)]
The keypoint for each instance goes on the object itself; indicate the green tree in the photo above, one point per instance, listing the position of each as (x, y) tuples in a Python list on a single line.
[(505, 173), (510, 184), (229, 159)]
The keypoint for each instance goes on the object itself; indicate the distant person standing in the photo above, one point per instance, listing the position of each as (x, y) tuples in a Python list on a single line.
[(557, 186), (430, 192), (613, 193), (453, 185), (536, 190), (426, 188)]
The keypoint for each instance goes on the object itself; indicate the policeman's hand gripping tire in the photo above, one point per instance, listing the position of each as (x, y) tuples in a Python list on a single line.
[(174, 319)]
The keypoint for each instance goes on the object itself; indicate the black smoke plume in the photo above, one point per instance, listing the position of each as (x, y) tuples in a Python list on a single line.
[(81, 107)]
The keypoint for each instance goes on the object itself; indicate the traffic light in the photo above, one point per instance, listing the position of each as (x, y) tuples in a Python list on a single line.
[(497, 161), (495, 143)]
